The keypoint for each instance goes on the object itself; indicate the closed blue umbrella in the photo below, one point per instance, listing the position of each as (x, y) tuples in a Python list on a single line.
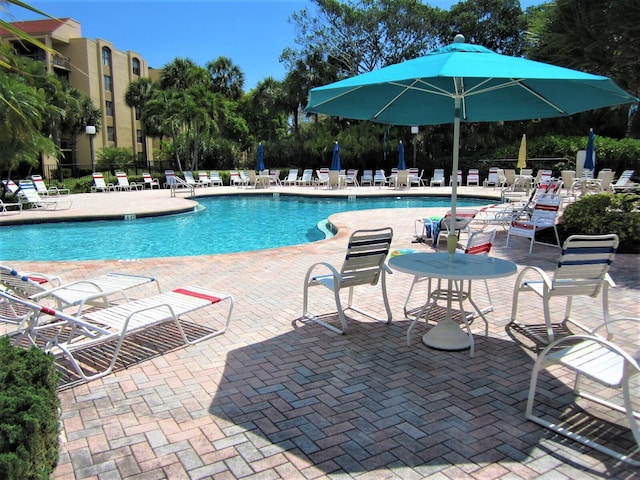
[(260, 162), (335, 160), (469, 83), (401, 164), (589, 161)]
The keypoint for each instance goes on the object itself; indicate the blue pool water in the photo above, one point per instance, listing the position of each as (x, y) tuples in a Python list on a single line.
[(226, 225)]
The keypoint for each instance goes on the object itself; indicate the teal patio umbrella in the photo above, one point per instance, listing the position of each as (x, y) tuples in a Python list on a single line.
[(462, 82)]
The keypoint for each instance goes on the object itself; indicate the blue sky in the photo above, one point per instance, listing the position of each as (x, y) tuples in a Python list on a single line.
[(252, 33)]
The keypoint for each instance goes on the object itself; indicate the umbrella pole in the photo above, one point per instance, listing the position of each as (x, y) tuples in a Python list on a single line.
[(452, 240)]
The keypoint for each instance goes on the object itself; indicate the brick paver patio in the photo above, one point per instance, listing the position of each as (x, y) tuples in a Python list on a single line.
[(276, 398)]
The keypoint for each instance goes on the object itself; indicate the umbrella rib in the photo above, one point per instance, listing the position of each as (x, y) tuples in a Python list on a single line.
[(331, 99), (405, 88)]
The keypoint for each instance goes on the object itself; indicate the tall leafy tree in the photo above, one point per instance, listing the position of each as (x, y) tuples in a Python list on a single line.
[(360, 36), (226, 78), (495, 24), (138, 93), (21, 117), (600, 37)]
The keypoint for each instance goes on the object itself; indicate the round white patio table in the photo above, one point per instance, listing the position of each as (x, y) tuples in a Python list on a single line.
[(447, 334)]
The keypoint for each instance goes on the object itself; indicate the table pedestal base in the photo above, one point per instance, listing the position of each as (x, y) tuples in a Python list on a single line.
[(447, 335)]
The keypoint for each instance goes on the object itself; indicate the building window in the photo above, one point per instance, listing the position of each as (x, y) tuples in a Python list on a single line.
[(138, 113), (139, 136), (108, 83), (106, 56), (140, 156), (111, 134), (136, 66), (109, 108)]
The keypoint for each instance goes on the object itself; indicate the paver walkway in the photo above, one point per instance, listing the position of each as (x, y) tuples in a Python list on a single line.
[(275, 398)]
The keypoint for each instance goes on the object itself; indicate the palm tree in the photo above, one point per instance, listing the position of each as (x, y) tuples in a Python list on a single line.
[(226, 78), (138, 93), (19, 33)]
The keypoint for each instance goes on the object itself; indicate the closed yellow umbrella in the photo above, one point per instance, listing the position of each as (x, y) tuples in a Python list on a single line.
[(522, 154)]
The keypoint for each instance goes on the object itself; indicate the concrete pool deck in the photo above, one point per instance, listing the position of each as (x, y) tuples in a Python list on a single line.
[(275, 398)]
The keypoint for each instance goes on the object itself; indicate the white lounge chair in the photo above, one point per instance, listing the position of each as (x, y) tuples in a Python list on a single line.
[(438, 177), (215, 179), (364, 264), (99, 185), (188, 177), (64, 335), (236, 179), (379, 178), (458, 178), (149, 181), (123, 182), (292, 177), (473, 177), (28, 193), (367, 178), (545, 212), (42, 189), (96, 291), (583, 270), (203, 179), (306, 178), (10, 207), (323, 177), (493, 179), (464, 217), (624, 183)]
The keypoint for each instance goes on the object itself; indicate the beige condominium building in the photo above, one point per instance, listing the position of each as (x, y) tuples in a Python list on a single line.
[(100, 71)]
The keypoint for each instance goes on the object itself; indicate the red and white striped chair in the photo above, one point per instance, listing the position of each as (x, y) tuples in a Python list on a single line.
[(545, 212)]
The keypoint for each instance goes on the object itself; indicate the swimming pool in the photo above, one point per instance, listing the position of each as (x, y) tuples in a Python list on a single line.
[(226, 225)]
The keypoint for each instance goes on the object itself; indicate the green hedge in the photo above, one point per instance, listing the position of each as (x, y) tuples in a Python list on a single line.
[(606, 213), (29, 407)]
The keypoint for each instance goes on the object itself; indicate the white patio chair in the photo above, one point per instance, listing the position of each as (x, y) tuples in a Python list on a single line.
[(352, 178), (323, 177), (603, 364), (364, 264), (582, 270)]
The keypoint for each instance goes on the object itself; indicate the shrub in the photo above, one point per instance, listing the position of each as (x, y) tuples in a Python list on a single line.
[(606, 213), (28, 413)]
